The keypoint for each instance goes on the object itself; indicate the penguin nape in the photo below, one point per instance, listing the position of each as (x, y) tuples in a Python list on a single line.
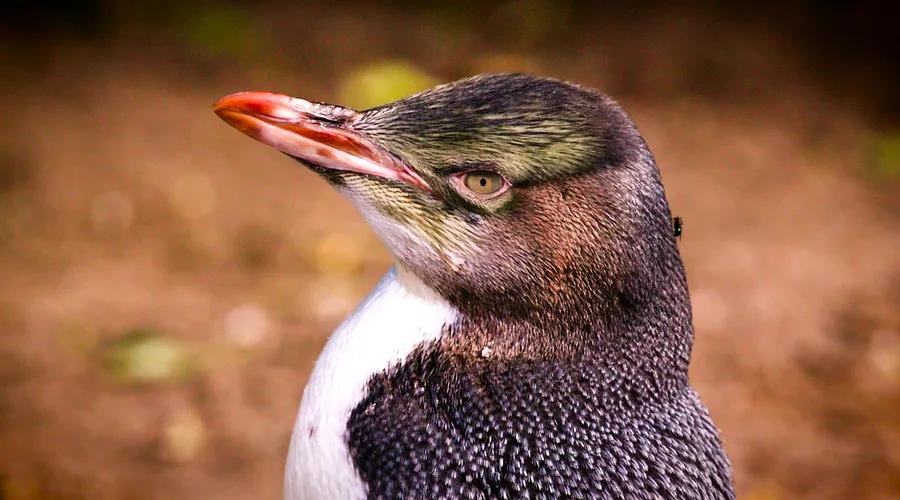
[(534, 336)]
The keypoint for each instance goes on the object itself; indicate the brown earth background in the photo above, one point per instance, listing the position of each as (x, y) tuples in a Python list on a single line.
[(166, 283)]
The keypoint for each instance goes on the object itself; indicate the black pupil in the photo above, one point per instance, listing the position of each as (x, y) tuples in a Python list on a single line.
[(483, 182)]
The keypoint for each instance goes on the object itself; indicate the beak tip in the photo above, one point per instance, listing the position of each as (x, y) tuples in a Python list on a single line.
[(236, 100)]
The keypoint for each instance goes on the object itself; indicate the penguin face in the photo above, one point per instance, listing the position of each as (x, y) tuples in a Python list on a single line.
[(500, 189)]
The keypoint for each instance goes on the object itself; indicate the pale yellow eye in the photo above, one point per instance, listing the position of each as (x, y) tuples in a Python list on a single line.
[(483, 182)]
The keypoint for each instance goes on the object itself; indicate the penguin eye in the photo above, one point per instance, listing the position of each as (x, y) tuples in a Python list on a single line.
[(481, 183)]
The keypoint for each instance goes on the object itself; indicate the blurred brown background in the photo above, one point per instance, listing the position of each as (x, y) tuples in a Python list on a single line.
[(166, 283)]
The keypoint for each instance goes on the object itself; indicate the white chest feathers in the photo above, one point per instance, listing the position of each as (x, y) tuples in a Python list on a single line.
[(400, 314)]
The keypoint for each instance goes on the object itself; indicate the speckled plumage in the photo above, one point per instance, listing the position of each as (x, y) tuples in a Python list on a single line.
[(450, 426)]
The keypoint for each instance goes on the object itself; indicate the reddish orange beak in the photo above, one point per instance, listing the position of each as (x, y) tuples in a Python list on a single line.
[(320, 134)]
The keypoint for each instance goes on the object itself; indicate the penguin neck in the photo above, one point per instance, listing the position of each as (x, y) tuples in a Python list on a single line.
[(637, 325)]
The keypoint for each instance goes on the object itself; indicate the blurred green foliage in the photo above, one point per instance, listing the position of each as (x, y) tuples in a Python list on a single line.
[(532, 22), (383, 82), (144, 355), (886, 158), (219, 30)]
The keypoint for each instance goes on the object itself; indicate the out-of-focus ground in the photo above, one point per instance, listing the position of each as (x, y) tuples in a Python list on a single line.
[(166, 283)]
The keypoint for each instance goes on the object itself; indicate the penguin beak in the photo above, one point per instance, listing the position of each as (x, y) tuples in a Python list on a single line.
[(319, 134)]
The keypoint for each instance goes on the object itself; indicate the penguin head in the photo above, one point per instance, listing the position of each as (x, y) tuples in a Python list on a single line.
[(510, 194)]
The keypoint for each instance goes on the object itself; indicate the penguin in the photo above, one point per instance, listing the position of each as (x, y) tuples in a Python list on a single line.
[(532, 339)]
